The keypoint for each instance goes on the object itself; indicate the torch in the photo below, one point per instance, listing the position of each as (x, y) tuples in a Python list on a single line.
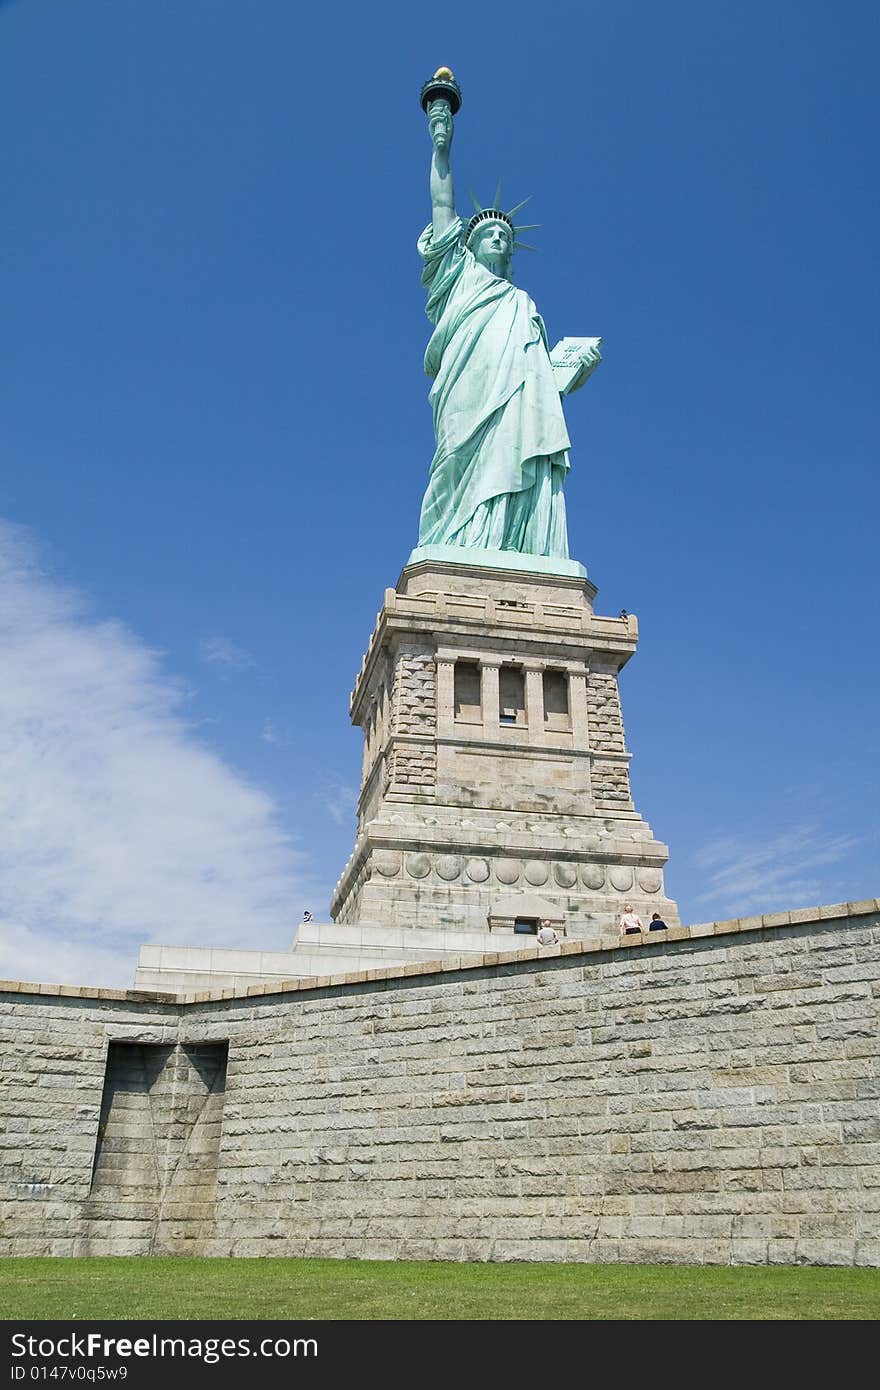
[(441, 87)]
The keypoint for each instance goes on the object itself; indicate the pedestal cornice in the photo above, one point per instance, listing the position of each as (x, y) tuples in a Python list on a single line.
[(536, 632)]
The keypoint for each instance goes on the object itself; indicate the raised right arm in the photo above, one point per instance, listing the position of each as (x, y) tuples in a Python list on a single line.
[(442, 195)]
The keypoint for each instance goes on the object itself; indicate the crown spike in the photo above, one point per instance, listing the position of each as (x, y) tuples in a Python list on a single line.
[(524, 246), (528, 226), (494, 210)]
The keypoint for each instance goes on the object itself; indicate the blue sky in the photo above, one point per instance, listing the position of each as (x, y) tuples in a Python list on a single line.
[(215, 434)]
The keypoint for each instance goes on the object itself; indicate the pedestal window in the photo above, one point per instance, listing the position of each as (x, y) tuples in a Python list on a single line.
[(467, 701), (557, 711), (511, 696)]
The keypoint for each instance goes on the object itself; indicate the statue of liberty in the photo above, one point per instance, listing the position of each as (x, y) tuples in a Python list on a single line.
[(496, 481)]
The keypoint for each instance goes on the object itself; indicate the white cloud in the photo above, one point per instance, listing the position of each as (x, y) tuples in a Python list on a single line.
[(272, 734), (119, 825), (219, 651), (747, 875), (338, 798)]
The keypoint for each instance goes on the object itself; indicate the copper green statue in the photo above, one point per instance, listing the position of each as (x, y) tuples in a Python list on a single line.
[(496, 482)]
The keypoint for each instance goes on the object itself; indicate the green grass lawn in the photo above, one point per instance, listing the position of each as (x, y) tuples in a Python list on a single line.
[(260, 1289)]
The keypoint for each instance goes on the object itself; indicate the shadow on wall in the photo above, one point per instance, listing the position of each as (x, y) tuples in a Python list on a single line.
[(158, 1139)]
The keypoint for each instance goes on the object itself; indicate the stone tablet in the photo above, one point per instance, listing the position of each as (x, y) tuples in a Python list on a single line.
[(574, 360)]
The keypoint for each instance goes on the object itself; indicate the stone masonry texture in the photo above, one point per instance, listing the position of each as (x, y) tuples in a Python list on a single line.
[(710, 1094), (413, 766), (414, 690), (606, 720)]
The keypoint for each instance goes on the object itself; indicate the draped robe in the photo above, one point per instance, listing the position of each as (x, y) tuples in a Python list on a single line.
[(502, 445)]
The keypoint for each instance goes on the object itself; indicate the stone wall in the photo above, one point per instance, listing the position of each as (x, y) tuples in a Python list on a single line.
[(414, 689), (606, 719), (611, 785), (706, 1095), (412, 760), (158, 1143)]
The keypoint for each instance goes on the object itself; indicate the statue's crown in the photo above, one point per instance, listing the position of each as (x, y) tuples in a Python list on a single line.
[(488, 215), (494, 213)]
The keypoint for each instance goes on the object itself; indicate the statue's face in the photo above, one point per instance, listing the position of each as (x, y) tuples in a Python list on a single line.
[(493, 247)]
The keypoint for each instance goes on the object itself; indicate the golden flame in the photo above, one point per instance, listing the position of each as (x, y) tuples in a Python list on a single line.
[(445, 74)]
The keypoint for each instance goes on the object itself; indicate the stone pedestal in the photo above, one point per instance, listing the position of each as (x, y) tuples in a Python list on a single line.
[(495, 786)]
